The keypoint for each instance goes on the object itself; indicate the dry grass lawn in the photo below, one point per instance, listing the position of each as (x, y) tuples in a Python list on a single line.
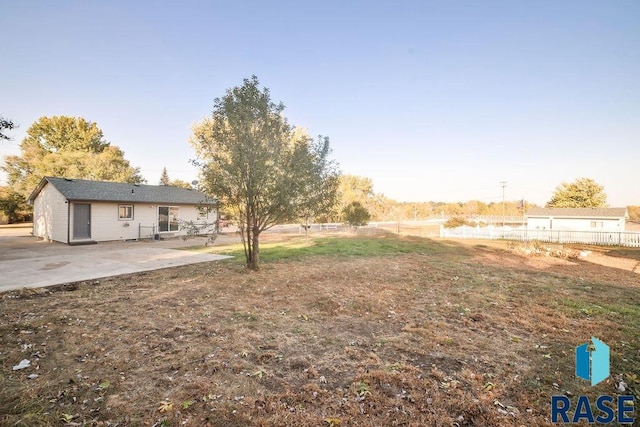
[(339, 331)]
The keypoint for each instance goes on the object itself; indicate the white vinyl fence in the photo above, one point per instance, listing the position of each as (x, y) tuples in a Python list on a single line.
[(610, 238)]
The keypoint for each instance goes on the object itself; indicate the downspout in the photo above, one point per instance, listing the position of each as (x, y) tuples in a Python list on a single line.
[(68, 221)]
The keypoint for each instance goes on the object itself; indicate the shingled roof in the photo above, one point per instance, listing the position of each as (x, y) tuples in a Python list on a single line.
[(102, 191), (579, 212)]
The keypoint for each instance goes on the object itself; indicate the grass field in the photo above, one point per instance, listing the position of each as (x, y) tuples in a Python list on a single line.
[(332, 331)]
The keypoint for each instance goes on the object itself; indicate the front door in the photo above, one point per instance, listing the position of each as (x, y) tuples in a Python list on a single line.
[(81, 221)]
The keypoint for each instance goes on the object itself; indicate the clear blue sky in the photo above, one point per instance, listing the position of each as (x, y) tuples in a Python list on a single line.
[(433, 100)]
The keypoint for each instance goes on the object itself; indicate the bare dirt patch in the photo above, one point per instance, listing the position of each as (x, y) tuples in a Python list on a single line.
[(444, 334)]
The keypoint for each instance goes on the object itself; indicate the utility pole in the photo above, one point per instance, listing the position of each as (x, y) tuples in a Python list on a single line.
[(504, 211), (524, 208)]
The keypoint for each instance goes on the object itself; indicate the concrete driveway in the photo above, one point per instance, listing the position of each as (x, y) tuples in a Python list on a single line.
[(28, 262)]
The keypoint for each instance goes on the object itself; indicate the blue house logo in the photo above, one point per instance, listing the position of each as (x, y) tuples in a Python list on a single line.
[(592, 361), (592, 364)]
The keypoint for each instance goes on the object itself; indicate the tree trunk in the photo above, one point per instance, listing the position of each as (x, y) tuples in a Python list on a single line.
[(247, 240), (254, 259)]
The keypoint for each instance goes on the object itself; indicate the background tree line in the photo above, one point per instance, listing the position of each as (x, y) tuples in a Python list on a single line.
[(359, 189), (76, 148), (583, 192), (165, 180), (65, 146)]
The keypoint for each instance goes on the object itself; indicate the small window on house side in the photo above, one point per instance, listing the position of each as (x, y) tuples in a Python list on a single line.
[(125, 212), (203, 212)]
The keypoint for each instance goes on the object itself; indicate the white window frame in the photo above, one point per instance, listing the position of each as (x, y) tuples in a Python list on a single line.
[(204, 211), (120, 217), (176, 216)]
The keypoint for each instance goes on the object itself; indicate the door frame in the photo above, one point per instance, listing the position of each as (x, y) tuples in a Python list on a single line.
[(75, 218), (169, 207)]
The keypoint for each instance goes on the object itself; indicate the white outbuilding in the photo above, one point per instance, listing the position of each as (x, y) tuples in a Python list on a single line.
[(577, 219), (78, 211)]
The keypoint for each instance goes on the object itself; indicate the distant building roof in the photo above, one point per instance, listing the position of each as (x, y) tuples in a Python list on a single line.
[(579, 212), (103, 191)]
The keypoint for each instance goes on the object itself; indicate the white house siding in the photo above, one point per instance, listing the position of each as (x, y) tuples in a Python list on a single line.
[(538, 223), (582, 224), (106, 226), (50, 215)]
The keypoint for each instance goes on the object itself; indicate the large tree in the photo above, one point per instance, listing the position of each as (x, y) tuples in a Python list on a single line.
[(353, 188), (5, 124), (261, 169), (582, 193), (66, 146)]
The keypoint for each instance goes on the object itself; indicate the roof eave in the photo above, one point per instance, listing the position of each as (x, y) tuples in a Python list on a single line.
[(32, 197), (82, 199), (68, 195)]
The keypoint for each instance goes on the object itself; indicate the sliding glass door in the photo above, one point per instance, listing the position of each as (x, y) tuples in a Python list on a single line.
[(168, 218)]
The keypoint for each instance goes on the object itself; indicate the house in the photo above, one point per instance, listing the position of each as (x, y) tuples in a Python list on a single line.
[(577, 219), (77, 211)]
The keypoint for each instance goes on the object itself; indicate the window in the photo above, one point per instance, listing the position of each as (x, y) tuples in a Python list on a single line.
[(203, 212), (596, 224), (168, 218), (125, 212)]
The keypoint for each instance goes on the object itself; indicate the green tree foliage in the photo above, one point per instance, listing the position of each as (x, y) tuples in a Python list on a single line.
[(164, 177), (165, 180), (5, 124), (262, 171), (70, 147), (582, 193), (353, 188), (355, 214), (179, 183), (13, 205)]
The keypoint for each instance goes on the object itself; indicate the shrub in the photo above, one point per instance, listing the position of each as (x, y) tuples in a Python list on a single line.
[(457, 221), (356, 215)]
